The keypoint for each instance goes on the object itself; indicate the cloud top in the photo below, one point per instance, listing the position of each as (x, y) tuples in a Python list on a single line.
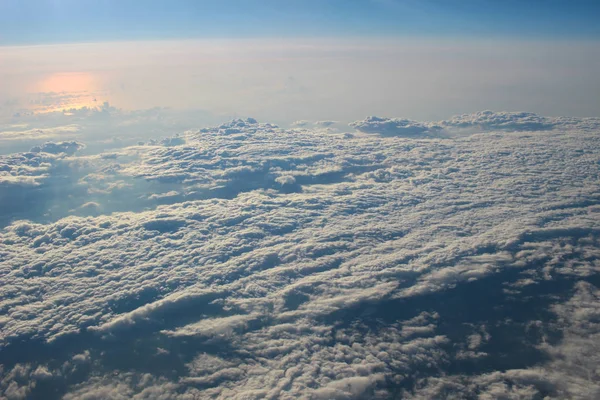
[(248, 261), (395, 127), (510, 121), (68, 148)]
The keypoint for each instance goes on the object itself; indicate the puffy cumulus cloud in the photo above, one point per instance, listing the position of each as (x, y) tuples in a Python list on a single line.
[(100, 128), (571, 372), (482, 121), (29, 182), (395, 127), (301, 123), (489, 120), (253, 262), (169, 141), (517, 121), (68, 148), (23, 132), (326, 124), (238, 126), (347, 388), (321, 124), (124, 386), (286, 180), (214, 326)]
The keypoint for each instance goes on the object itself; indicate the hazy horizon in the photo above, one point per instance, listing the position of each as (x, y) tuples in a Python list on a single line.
[(285, 80)]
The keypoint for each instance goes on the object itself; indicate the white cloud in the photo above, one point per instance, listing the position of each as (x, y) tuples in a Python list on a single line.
[(571, 371), (301, 123), (510, 121), (326, 124), (214, 326), (68, 148), (517, 121), (396, 264), (39, 134), (395, 127)]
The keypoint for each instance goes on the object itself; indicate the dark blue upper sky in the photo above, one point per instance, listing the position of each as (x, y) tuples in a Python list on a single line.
[(63, 21)]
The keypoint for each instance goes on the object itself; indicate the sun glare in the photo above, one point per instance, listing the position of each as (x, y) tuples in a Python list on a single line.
[(65, 91), (68, 82)]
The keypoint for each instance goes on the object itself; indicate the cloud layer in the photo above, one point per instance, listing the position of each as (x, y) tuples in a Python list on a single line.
[(249, 261), (394, 127), (483, 121)]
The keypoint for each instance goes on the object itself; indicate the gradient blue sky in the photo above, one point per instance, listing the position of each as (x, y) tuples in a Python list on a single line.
[(65, 21)]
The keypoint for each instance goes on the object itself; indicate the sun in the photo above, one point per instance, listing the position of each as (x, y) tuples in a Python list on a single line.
[(68, 82), (66, 91)]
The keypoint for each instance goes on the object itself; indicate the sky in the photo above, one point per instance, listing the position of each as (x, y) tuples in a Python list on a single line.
[(66, 21), (283, 80), (301, 59)]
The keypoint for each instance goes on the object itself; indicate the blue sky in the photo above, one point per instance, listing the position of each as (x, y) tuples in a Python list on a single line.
[(65, 21)]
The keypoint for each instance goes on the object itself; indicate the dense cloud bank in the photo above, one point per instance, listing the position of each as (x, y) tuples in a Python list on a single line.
[(483, 121), (395, 127), (248, 261)]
